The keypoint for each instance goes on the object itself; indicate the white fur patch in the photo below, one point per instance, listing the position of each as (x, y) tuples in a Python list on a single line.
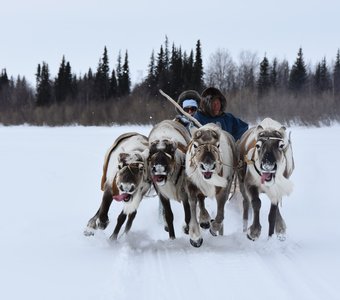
[(279, 186)]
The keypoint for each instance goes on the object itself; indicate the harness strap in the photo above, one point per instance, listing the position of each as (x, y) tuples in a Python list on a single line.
[(252, 162)]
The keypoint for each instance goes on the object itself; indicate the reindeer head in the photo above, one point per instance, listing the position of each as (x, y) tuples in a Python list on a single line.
[(270, 146), (162, 160), (205, 144), (130, 175)]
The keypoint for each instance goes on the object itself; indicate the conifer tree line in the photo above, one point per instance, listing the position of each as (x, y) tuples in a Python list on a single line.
[(255, 88)]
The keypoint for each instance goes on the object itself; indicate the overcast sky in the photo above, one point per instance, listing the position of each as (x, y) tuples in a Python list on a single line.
[(34, 31)]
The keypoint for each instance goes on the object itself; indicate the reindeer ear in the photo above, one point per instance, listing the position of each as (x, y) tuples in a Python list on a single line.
[(155, 142), (122, 157), (259, 129), (193, 130), (174, 146), (145, 153), (215, 134), (282, 130), (198, 134)]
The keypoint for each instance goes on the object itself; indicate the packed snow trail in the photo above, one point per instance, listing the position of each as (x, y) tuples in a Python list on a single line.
[(50, 187)]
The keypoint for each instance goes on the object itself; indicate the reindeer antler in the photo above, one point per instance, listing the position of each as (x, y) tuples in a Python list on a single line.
[(198, 124)]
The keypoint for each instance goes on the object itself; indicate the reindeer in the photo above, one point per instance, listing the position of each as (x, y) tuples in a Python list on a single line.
[(210, 164), (168, 141), (265, 165), (125, 178)]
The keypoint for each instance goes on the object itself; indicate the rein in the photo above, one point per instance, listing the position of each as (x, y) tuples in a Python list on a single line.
[(134, 165)]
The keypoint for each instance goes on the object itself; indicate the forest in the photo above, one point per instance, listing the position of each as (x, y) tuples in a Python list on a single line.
[(255, 88)]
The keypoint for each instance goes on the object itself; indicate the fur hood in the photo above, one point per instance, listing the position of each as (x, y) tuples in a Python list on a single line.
[(189, 94), (208, 95)]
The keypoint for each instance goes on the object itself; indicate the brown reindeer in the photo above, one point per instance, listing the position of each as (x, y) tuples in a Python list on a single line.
[(265, 165), (210, 164), (168, 142), (125, 178)]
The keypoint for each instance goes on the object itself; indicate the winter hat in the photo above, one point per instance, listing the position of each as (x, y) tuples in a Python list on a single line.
[(188, 95), (208, 95), (189, 103)]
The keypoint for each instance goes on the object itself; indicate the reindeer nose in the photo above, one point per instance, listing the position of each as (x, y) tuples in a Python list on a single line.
[(127, 187), (208, 167), (268, 166), (158, 168), (269, 158)]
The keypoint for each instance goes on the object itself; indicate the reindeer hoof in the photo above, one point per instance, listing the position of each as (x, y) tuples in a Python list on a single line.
[(250, 238), (186, 229), (166, 228), (281, 237), (103, 225), (205, 225), (89, 231), (254, 232), (213, 233), (113, 237), (197, 243)]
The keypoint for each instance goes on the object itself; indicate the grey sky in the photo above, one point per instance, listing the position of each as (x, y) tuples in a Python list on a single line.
[(41, 30)]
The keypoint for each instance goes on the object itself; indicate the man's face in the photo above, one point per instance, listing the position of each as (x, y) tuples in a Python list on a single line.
[(216, 107)]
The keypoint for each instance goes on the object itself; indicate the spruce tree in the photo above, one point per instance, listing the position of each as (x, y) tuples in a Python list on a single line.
[(102, 78), (4, 88), (188, 70), (113, 85), (160, 71), (322, 80), (44, 87), (298, 74), (175, 76), (63, 83), (263, 83), (4, 81), (126, 81), (119, 73), (197, 80), (273, 74), (336, 75), (151, 80)]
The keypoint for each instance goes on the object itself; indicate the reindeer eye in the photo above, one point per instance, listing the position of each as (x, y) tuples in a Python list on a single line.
[(258, 145), (195, 145), (120, 166), (281, 145), (218, 145), (141, 167)]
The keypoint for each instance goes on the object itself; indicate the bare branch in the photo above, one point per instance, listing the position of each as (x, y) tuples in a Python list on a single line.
[(198, 124)]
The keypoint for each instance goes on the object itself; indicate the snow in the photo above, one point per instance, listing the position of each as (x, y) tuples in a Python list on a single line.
[(50, 187)]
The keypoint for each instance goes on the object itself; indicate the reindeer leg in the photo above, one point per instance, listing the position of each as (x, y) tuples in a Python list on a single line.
[(129, 222), (194, 231), (272, 218), (204, 217), (169, 217), (100, 220), (217, 224), (186, 207), (195, 235), (245, 207), (254, 230), (120, 221), (280, 226)]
